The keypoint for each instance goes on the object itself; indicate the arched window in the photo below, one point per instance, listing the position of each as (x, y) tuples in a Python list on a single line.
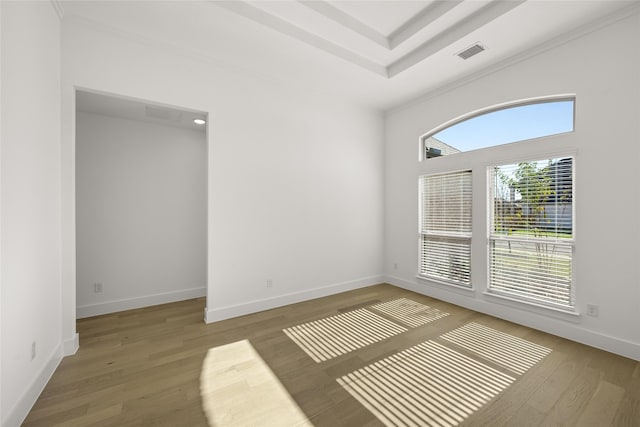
[(530, 215), (500, 125)]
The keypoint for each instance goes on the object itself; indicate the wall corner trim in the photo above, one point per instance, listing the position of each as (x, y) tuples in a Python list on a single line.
[(71, 346), (250, 307), (19, 412)]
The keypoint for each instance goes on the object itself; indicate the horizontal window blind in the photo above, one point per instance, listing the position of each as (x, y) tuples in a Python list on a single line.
[(531, 231), (445, 227)]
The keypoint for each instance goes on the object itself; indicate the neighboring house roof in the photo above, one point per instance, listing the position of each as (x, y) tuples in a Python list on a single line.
[(445, 149)]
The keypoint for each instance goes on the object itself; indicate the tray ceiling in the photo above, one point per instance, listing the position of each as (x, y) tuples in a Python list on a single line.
[(384, 37), (377, 53)]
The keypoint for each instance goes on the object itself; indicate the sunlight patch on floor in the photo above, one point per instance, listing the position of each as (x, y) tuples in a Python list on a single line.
[(425, 385), (513, 353), (238, 389), (409, 312), (334, 336)]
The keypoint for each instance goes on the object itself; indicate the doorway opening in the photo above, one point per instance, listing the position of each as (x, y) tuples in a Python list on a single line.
[(141, 204)]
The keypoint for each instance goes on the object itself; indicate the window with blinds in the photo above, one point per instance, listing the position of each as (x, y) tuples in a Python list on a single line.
[(531, 231), (445, 228)]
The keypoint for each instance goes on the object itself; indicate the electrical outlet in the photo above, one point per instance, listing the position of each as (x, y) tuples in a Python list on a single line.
[(269, 283), (395, 265), (97, 288), (592, 310), (33, 350)]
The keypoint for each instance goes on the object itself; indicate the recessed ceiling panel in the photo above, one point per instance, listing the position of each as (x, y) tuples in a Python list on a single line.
[(386, 37), (383, 16)]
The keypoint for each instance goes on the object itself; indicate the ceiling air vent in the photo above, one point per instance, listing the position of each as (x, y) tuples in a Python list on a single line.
[(470, 51)]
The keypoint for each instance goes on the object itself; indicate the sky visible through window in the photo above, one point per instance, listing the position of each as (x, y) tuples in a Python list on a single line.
[(510, 125)]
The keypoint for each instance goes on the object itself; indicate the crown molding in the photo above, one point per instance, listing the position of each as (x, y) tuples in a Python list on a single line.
[(325, 9), (560, 40), (421, 20), (264, 18), (475, 21)]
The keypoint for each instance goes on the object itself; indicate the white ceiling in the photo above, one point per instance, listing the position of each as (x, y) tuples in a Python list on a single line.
[(377, 53), (133, 109), (385, 37), (383, 16)]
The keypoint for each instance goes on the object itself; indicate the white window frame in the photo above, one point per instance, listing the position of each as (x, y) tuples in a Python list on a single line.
[(567, 243), (456, 238), (423, 141)]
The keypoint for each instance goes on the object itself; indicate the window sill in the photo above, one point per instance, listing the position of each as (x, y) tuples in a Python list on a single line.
[(559, 313), (447, 286)]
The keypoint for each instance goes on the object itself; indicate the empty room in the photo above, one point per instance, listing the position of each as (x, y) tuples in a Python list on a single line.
[(320, 213)]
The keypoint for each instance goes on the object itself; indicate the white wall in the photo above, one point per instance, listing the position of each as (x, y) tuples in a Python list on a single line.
[(295, 185), (141, 206), (1, 269), (31, 285), (602, 69)]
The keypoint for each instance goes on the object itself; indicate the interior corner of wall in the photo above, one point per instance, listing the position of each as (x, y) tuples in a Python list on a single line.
[(71, 346)]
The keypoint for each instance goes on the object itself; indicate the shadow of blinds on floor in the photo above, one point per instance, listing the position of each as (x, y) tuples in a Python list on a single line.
[(425, 385)]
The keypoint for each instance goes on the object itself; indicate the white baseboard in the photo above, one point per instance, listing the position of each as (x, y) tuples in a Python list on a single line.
[(222, 313), (551, 324), (70, 346), (138, 302), (19, 412)]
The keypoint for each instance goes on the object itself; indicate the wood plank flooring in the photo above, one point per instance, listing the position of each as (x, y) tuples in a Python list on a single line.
[(142, 368)]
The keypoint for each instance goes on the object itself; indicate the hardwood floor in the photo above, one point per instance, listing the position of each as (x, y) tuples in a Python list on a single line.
[(142, 368)]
